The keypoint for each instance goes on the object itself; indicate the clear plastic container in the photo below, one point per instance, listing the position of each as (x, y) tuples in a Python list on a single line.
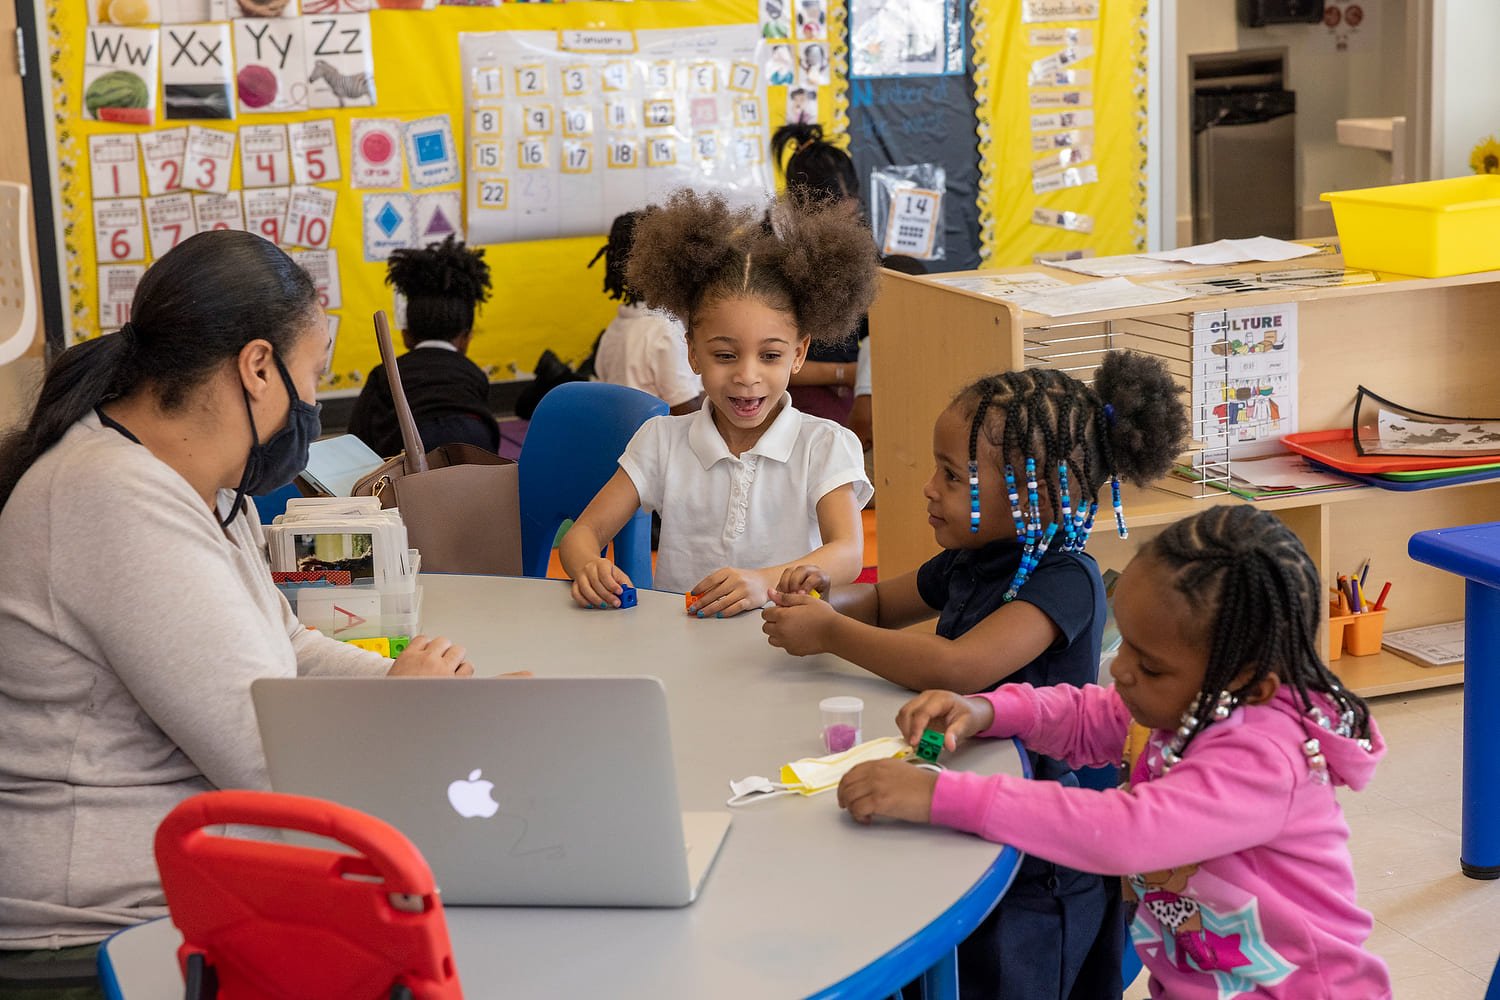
[(360, 611), (842, 722)]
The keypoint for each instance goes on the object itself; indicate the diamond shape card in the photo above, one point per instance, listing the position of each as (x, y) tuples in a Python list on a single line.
[(390, 224), (430, 156), (438, 218)]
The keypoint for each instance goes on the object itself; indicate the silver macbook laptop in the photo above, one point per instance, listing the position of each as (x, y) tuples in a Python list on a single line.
[(523, 791)]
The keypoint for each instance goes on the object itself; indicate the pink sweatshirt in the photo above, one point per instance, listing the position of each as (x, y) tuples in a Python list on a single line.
[(1237, 859)]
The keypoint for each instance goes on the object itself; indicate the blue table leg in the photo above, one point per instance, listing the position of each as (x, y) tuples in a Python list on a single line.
[(941, 981), (1479, 852)]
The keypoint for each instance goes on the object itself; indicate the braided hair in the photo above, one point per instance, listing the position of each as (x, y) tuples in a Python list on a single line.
[(816, 168), (616, 254), (1254, 585), (443, 285)]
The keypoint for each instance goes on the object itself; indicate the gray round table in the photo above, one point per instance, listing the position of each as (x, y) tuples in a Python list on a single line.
[(802, 901)]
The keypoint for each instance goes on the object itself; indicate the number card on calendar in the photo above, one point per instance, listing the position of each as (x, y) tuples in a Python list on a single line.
[(265, 211), (431, 158), (210, 152), (119, 231), (264, 157), (323, 267), (114, 166), (170, 218), (309, 218), (116, 292), (218, 211), (375, 153), (164, 153), (911, 228), (315, 152)]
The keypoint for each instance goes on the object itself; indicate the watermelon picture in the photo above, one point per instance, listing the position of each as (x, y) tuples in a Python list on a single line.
[(118, 88)]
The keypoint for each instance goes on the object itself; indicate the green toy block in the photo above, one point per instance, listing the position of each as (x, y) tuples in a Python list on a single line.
[(929, 746), (399, 644)]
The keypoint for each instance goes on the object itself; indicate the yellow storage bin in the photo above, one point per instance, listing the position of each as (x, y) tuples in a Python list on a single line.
[(1430, 229)]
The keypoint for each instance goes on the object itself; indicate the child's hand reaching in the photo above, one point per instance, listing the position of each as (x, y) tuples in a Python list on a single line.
[(953, 715), (598, 584), (799, 623), (726, 592), (888, 788), (804, 580)]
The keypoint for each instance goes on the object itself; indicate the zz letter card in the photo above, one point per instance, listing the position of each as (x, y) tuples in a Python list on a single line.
[(164, 153), (171, 219), (119, 231), (315, 151), (390, 223), (430, 155), (340, 70), (114, 166), (119, 75), (265, 211), (196, 73), (264, 160), (375, 153), (309, 218), (270, 66)]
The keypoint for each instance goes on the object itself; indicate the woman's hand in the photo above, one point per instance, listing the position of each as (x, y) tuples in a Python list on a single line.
[(805, 579), (727, 592), (953, 715), (799, 623), (431, 657), (891, 788), (598, 584)]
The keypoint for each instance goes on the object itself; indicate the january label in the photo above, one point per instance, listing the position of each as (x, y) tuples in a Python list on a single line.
[(116, 291), (210, 153), (119, 75), (271, 66), (323, 267), (264, 157), (430, 156), (389, 224), (912, 226), (309, 218), (340, 72), (218, 211), (114, 166), (164, 153), (375, 152), (119, 232), (437, 217), (315, 151), (196, 74), (265, 211), (170, 218)]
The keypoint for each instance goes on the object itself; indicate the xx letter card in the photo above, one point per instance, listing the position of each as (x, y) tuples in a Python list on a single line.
[(210, 153), (116, 291), (271, 66), (264, 161), (119, 231), (164, 153), (218, 211), (912, 226), (389, 224), (323, 267), (315, 151), (171, 219), (309, 218), (195, 71), (119, 75), (265, 211), (430, 154), (340, 71), (438, 218), (375, 153), (114, 166)]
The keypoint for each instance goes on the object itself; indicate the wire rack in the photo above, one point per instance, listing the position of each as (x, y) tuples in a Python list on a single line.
[(1201, 368)]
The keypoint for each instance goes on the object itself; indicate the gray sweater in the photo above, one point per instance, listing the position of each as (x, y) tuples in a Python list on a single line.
[(131, 627)]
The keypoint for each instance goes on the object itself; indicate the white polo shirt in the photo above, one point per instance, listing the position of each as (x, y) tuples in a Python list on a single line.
[(758, 510), (647, 350)]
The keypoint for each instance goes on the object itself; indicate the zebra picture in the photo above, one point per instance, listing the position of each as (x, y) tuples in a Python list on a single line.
[(346, 88)]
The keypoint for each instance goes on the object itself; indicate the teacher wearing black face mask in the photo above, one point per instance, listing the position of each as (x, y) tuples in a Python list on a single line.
[(136, 605)]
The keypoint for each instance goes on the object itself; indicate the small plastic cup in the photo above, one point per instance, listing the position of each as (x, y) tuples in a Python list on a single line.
[(841, 722)]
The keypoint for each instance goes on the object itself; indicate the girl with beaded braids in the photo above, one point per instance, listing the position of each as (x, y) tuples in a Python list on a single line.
[(748, 486), (1226, 829)]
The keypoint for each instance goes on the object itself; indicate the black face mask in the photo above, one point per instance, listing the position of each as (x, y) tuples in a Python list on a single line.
[(276, 462)]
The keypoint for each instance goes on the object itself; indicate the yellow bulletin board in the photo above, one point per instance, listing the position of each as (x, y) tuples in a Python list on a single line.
[(544, 294), (1029, 106)]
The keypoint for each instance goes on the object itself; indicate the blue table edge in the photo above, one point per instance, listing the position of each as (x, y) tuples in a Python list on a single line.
[(911, 958)]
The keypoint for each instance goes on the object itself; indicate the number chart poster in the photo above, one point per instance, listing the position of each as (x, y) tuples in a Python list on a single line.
[(307, 133)]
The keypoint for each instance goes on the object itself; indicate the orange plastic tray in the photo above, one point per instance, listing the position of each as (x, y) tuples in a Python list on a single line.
[(1336, 450)]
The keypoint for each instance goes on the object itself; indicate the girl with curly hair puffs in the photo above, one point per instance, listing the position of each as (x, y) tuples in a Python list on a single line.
[(748, 487)]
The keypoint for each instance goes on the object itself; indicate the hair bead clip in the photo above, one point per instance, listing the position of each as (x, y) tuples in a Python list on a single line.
[(1015, 500), (1070, 530), (1114, 489), (973, 497)]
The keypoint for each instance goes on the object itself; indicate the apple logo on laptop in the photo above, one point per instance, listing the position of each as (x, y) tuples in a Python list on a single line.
[(472, 797)]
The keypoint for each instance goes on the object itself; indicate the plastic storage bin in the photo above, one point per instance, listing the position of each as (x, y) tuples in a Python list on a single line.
[(1431, 229)]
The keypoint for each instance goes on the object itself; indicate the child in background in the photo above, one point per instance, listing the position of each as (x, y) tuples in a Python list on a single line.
[(642, 348), (747, 487), (1016, 599), (442, 286), (819, 171), (1227, 831)]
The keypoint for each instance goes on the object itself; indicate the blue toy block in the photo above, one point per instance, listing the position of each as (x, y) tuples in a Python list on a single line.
[(627, 597)]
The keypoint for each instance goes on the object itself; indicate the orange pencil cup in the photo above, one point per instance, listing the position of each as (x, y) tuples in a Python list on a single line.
[(1338, 625), (1364, 632)]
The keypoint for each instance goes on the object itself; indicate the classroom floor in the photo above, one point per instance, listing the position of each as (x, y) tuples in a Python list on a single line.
[(1438, 931)]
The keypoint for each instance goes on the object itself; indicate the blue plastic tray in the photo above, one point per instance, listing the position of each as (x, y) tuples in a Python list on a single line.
[(1407, 486)]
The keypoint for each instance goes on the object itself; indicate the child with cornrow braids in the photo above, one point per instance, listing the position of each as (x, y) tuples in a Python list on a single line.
[(748, 486), (1024, 463), (1226, 829)]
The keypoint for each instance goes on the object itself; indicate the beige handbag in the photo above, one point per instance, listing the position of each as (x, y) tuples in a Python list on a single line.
[(461, 504)]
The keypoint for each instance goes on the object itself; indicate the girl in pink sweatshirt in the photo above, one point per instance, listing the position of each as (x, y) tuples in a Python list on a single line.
[(1232, 846)]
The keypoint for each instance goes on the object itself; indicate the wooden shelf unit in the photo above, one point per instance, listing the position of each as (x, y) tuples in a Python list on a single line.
[(1433, 344)]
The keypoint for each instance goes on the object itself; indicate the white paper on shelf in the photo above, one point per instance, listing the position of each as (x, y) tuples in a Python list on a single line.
[(1121, 266), (1002, 286), (1094, 296), (1255, 248), (1432, 645), (1282, 472)]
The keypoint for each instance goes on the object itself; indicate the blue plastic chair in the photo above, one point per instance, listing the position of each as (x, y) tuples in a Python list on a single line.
[(573, 446), (273, 504)]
